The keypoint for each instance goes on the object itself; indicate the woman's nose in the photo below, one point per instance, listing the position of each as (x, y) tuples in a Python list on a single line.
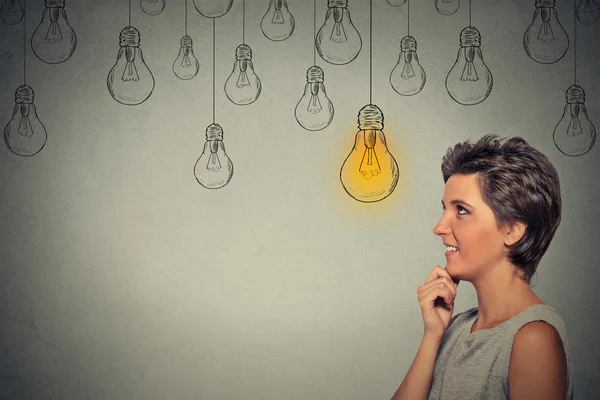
[(441, 228)]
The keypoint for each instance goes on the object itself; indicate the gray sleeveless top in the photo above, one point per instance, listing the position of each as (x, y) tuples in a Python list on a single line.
[(475, 365)]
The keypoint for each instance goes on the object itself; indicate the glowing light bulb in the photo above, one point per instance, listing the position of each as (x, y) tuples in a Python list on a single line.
[(24, 134), (186, 64), (12, 12), (213, 8), (447, 7), (314, 111), (338, 41), (575, 134), (545, 40), (130, 81), (469, 81), (243, 86), (214, 169), (588, 12), (396, 3), (408, 77), (277, 23), (152, 7), (370, 172), (54, 40)]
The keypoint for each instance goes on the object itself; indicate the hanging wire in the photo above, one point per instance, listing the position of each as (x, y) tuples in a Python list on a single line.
[(314, 32), (370, 51), (186, 17), (575, 41), (243, 22), (213, 69), (408, 15), (470, 24), (129, 12), (24, 42)]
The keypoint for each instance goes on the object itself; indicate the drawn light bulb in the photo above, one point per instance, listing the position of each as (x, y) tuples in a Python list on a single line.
[(370, 172), (447, 7), (152, 7), (408, 77), (545, 40), (243, 86), (213, 8), (588, 12), (314, 111), (278, 23), (575, 134), (130, 81), (469, 81), (12, 12), (214, 169), (338, 41), (54, 40), (24, 134), (396, 3), (186, 64)]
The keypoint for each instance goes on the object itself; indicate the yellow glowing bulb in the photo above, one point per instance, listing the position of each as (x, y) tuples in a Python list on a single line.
[(370, 172)]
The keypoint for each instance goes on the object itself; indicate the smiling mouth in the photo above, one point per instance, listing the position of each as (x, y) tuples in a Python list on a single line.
[(451, 249)]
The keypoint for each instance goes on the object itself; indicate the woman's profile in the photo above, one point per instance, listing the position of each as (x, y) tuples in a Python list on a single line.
[(501, 208)]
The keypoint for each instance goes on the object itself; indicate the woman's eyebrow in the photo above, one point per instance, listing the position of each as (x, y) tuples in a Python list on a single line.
[(458, 201)]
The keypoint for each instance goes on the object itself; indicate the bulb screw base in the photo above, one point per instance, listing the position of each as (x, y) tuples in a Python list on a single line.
[(544, 3), (370, 117), (470, 37), (214, 132), (314, 75), (575, 95), (337, 3), (408, 43), (186, 41), (243, 52), (55, 3), (24, 95), (129, 37)]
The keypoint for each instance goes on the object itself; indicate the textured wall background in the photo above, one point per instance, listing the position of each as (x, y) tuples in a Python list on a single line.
[(122, 278)]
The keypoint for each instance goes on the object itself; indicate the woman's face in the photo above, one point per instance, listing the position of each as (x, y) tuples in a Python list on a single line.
[(469, 225)]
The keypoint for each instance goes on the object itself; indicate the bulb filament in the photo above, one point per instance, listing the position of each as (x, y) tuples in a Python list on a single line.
[(186, 62), (545, 35), (407, 71), (368, 170), (12, 7), (338, 34), (54, 34), (214, 164), (469, 72), (575, 125), (130, 72)]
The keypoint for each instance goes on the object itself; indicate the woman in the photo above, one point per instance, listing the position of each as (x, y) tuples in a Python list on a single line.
[(501, 207)]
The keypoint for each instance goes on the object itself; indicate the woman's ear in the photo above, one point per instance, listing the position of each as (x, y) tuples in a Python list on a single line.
[(514, 233)]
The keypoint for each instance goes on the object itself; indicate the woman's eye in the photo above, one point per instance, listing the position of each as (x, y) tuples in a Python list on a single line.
[(462, 210)]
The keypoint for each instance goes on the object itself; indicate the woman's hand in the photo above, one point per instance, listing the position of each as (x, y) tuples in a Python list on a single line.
[(436, 297)]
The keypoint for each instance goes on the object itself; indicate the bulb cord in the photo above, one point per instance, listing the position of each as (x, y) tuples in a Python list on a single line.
[(370, 51), (470, 23), (186, 17), (314, 32), (24, 42), (575, 42), (408, 16), (129, 12), (243, 21), (213, 69)]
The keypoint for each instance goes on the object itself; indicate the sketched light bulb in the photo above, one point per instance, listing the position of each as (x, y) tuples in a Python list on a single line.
[(278, 23), (447, 7), (370, 172), (186, 64), (545, 40), (130, 81), (54, 40), (12, 12), (469, 80), (588, 12), (214, 169), (314, 111), (213, 8), (408, 77), (152, 7), (243, 86), (338, 41), (24, 134), (575, 134), (396, 3)]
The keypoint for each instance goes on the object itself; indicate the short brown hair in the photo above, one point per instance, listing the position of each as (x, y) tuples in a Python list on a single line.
[(518, 183)]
